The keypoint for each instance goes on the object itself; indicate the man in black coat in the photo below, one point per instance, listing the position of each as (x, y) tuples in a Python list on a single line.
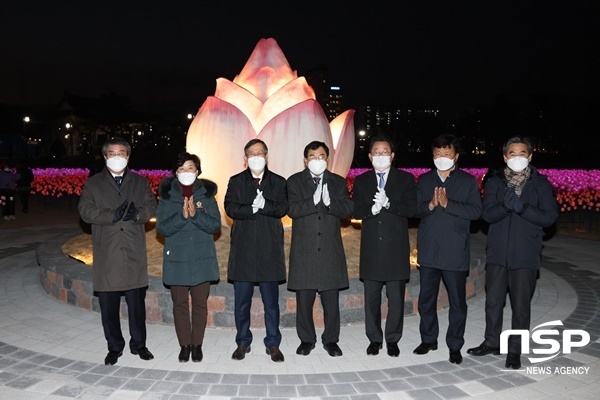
[(518, 203), (256, 200), (448, 199), (384, 198), (318, 202)]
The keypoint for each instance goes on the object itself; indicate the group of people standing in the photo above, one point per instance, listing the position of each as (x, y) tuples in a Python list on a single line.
[(518, 203), (13, 182)]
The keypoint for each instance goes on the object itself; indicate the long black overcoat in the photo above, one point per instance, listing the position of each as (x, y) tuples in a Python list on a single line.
[(317, 257), (257, 251), (384, 242)]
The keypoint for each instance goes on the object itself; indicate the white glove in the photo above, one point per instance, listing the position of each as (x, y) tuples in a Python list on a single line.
[(318, 192), (326, 197), (376, 208), (380, 197), (259, 201)]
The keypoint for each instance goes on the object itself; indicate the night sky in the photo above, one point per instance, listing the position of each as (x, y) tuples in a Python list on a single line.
[(168, 54)]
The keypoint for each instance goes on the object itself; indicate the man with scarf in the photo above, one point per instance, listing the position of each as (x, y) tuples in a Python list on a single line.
[(518, 203)]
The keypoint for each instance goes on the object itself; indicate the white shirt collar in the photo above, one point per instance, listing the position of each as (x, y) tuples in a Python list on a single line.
[(258, 176)]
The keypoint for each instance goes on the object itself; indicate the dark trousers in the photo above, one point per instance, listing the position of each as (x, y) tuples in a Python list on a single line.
[(8, 203), (305, 324), (394, 323), (520, 285), (455, 282), (24, 194), (110, 303), (269, 292), (190, 332)]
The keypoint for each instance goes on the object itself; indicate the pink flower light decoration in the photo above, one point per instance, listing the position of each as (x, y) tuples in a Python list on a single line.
[(267, 100), (575, 189)]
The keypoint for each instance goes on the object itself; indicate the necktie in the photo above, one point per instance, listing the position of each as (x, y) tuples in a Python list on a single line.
[(257, 180), (381, 181), (118, 179), (316, 180)]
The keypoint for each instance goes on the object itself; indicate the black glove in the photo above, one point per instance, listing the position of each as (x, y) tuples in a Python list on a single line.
[(508, 192), (517, 203), (512, 201), (118, 214), (132, 213)]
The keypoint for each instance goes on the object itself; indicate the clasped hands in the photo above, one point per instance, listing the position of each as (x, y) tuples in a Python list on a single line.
[(512, 201), (440, 198), (259, 201), (126, 214), (322, 193), (379, 201), (189, 209)]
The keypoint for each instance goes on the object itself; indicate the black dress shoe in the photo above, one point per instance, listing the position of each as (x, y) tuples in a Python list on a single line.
[(373, 348), (393, 350), (305, 348), (184, 354), (455, 357), (332, 349), (112, 357), (513, 360), (483, 350), (197, 353), (144, 353), (425, 348), (240, 352), (275, 353)]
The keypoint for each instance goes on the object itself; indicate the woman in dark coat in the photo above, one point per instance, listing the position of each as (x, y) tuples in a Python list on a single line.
[(187, 217)]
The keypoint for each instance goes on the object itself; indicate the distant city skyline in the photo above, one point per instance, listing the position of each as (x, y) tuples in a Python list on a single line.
[(170, 55)]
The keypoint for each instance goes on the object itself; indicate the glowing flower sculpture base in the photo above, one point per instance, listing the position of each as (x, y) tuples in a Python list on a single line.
[(267, 100)]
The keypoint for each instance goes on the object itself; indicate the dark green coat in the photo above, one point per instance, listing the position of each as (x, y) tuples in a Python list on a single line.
[(190, 256)]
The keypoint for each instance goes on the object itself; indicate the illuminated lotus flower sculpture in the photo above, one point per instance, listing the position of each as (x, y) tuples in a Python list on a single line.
[(267, 100)]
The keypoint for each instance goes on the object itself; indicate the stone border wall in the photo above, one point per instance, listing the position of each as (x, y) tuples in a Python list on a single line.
[(70, 281)]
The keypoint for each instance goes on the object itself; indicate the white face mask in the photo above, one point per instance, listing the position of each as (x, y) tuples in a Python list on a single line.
[(186, 178), (256, 163), (382, 162), (116, 163), (317, 167), (443, 163), (517, 164)]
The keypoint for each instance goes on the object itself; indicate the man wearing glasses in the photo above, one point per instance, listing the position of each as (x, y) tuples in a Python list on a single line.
[(318, 201), (256, 200), (384, 198)]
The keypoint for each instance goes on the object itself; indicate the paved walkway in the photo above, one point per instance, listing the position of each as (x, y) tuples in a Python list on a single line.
[(51, 350)]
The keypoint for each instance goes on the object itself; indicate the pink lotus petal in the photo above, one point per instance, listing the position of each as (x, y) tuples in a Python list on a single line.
[(288, 133), (217, 135), (236, 95), (266, 70), (342, 132), (286, 97)]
